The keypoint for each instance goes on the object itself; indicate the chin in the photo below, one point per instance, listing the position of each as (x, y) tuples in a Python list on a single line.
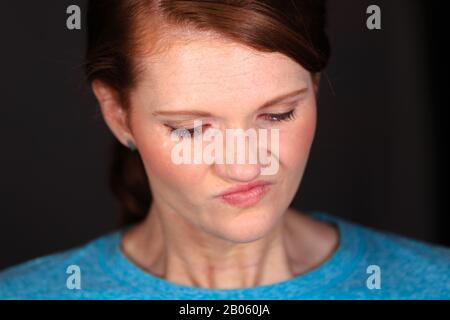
[(248, 227)]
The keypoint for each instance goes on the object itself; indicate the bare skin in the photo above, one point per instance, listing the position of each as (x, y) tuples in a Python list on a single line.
[(296, 245), (190, 237)]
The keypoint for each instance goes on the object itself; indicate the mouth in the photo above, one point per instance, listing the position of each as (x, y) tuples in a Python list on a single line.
[(245, 195)]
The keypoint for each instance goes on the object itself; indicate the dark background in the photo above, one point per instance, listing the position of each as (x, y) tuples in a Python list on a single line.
[(378, 157)]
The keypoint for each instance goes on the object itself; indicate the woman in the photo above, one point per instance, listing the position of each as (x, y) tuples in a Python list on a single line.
[(165, 73)]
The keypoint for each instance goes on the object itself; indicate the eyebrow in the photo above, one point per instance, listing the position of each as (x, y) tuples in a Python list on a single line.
[(199, 113)]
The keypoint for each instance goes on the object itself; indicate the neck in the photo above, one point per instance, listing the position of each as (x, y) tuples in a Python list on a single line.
[(181, 253)]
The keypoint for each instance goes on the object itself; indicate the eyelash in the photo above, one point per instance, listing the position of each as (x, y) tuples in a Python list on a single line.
[(183, 131), (278, 117), (273, 117)]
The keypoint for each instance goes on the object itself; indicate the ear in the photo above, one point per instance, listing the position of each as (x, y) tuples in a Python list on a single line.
[(316, 81), (113, 111)]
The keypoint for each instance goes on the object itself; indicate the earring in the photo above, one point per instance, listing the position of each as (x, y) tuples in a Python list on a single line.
[(131, 145)]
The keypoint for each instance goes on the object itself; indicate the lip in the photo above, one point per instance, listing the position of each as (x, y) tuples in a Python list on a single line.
[(243, 196)]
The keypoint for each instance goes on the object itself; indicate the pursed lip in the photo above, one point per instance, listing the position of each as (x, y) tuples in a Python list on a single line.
[(244, 187)]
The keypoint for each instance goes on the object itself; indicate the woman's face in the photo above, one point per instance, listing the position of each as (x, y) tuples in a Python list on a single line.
[(229, 83)]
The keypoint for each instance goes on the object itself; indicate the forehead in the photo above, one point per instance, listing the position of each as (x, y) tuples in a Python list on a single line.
[(214, 72)]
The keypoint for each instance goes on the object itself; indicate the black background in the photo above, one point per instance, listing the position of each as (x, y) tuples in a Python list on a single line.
[(378, 158)]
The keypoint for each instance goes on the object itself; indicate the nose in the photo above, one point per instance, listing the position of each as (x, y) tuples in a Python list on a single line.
[(239, 172), (240, 162)]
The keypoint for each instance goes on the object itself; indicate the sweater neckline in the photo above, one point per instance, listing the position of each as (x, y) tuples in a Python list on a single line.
[(337, 267)]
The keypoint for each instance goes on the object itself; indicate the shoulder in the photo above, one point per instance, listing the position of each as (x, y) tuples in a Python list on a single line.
[(407, 254), (407, 267), (47, 277)]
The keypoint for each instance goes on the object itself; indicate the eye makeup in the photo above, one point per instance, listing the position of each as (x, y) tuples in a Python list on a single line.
[(190, 132), (278, 117), (185, 132), (270, 117)]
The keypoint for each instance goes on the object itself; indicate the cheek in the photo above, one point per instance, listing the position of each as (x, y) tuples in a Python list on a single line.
[(296, 140), (164, 175)]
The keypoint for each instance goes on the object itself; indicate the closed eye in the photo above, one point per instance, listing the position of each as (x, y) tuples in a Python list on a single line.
[(190, 132), (278, 117), (185, 132)]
